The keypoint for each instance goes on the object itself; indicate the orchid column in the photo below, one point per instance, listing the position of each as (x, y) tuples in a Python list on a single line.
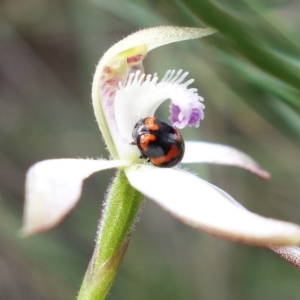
[(122, 95)]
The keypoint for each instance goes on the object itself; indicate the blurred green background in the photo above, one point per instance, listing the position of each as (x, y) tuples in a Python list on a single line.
[(249, 75)]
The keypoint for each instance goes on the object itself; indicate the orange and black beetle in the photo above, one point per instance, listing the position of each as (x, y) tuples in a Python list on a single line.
[(158, 142)]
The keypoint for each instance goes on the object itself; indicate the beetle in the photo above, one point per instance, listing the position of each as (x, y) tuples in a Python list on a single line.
[(159, 143)]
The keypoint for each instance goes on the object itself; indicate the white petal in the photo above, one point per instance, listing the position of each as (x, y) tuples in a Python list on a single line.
[(53, 188), (201, 152), (198, 204), (290, 254)]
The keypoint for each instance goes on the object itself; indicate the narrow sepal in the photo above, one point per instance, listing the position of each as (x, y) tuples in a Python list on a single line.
[(199, 204), (202, 152)]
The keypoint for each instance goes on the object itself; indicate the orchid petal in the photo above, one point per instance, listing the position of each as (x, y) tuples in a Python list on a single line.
[(197, 203), (53, 188), (201, 152), (290, 254)]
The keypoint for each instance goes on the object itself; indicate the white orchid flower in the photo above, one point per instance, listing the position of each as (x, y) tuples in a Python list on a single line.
[(122, 95)]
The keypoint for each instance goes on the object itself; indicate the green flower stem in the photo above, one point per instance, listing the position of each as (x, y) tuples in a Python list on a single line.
[(123, 204)]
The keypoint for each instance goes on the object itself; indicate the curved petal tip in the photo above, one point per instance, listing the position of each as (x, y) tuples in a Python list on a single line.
[(197, 203), (202, 152), (290, 254)]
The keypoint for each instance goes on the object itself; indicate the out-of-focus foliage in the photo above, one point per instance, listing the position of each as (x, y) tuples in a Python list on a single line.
[(251, 31), (248, 74)]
